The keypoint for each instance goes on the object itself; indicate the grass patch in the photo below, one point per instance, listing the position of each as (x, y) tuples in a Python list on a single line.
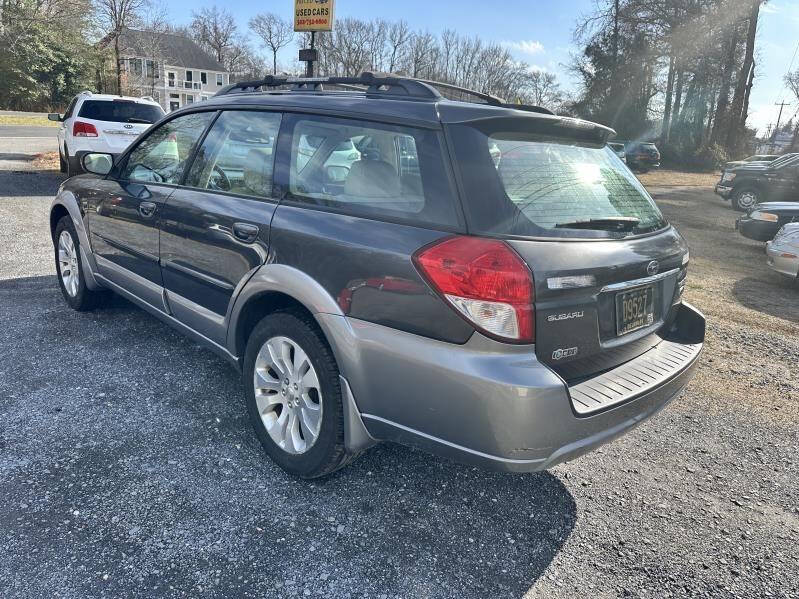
[(678, 178), (31, 121)]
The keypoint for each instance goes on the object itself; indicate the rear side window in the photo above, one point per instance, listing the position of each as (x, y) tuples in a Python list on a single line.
[(120, 111), (532, 185), (237, 155), (370, 169)]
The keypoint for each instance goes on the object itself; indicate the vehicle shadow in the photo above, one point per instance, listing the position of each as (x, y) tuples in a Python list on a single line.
[(182, 495), (773, 294)]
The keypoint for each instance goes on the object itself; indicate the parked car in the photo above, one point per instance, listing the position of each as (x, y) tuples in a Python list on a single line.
[(618, 149), (101, 123), (763, 221), (783, 252), (749, 159), (510, 313), (755, 183), (642, 156)]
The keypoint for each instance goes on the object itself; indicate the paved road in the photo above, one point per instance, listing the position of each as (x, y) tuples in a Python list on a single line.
[(20, 145), (27, 131), (127, 468)]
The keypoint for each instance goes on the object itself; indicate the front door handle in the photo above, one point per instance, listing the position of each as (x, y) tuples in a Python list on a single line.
[(245, 232), (147, 209)]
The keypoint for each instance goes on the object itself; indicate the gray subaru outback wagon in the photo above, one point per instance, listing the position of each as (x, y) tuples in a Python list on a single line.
[(486, 281)]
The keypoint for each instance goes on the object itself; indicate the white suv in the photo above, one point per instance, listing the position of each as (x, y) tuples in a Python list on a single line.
[(101, 123)]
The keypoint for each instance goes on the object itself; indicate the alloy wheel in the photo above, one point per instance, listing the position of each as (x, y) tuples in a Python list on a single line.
[(288, 395), (68, 263), (747, 199)]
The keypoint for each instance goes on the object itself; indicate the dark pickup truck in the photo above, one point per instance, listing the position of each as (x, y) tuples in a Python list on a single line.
[(755, 183)]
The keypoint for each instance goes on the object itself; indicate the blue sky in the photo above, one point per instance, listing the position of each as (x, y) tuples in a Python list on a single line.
[(540, 32)]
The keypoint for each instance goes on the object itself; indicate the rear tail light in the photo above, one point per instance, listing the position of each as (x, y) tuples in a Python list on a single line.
[(81, 129), (486, 282)]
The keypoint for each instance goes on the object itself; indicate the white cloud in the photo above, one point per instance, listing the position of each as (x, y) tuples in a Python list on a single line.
[(525, 46), (769, 8)]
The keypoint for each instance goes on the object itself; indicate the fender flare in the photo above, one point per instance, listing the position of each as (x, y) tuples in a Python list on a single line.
[(68, 201)]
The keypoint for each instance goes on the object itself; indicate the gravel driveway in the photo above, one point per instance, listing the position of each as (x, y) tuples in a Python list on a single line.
[(128, 468)]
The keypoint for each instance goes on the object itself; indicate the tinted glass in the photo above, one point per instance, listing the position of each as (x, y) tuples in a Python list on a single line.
[(237, 155), (371, 169), (120, 111), (162, 155), (540, 186)]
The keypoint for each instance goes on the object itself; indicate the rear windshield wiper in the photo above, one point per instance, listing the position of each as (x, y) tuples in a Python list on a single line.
[(609, 223), (133, 119)]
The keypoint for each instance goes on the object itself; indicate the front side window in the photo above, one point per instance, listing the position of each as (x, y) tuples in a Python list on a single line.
[(519, 181), (237, 155), (162, 155), (370, 169)]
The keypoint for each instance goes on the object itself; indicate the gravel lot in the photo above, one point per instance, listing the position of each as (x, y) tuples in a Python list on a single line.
[(127, 466)]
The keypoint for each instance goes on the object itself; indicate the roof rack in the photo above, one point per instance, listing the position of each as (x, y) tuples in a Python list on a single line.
[(375, 83), (383, 84)]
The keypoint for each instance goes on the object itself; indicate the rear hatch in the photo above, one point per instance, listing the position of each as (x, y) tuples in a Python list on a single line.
[(607, 268), (118, 122)]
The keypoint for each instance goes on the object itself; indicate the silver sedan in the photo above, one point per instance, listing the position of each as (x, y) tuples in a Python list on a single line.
[(783, 251)]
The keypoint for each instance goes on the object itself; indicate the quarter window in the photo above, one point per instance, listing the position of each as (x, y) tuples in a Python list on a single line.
[(237, 155), (370, 169), (161, 156)]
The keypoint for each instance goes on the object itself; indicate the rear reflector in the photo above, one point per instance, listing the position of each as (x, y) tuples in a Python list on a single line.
[(81, 129), (485, 281)]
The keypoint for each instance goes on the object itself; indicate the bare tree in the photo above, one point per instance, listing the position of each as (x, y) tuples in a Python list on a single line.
[(115, 16), (215, 29), (544, 89), (275, 33)]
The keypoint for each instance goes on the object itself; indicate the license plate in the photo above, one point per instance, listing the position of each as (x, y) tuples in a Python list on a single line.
[(635, 310)]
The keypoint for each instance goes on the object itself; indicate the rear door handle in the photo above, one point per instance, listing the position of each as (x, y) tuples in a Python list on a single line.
[(245, 232), (147, 209)]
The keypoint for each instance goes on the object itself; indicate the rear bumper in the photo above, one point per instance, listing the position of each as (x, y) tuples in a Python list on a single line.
[(759, 230), (723, 191), (782, 260), (492, 404)]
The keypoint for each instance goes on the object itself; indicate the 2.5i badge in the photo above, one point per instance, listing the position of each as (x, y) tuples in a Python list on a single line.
[(568, 352)]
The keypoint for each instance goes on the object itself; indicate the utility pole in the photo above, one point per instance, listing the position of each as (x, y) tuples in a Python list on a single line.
[(782, 105)]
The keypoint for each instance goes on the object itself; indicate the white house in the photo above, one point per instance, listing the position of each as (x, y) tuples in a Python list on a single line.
[(171, 68)]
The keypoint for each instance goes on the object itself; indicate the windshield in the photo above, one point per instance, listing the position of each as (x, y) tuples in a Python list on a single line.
[(539, 187), (120, 111)]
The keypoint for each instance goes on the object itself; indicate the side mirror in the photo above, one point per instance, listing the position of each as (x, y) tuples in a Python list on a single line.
[(54, 116), (97, 163)]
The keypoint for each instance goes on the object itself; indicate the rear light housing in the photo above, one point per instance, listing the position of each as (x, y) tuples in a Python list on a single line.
[(486, 282), (81, 129)]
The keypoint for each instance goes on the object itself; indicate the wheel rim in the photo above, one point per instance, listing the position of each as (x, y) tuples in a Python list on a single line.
[(747, 199), (288, 395), (68, 263)]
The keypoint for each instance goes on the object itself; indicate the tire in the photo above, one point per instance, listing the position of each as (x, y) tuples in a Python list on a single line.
[(73, 288), (326, 452), (743, 199), (62, 164)]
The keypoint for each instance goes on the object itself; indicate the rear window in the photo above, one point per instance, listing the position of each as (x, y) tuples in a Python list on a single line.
[(120, 111), (528, 184)]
